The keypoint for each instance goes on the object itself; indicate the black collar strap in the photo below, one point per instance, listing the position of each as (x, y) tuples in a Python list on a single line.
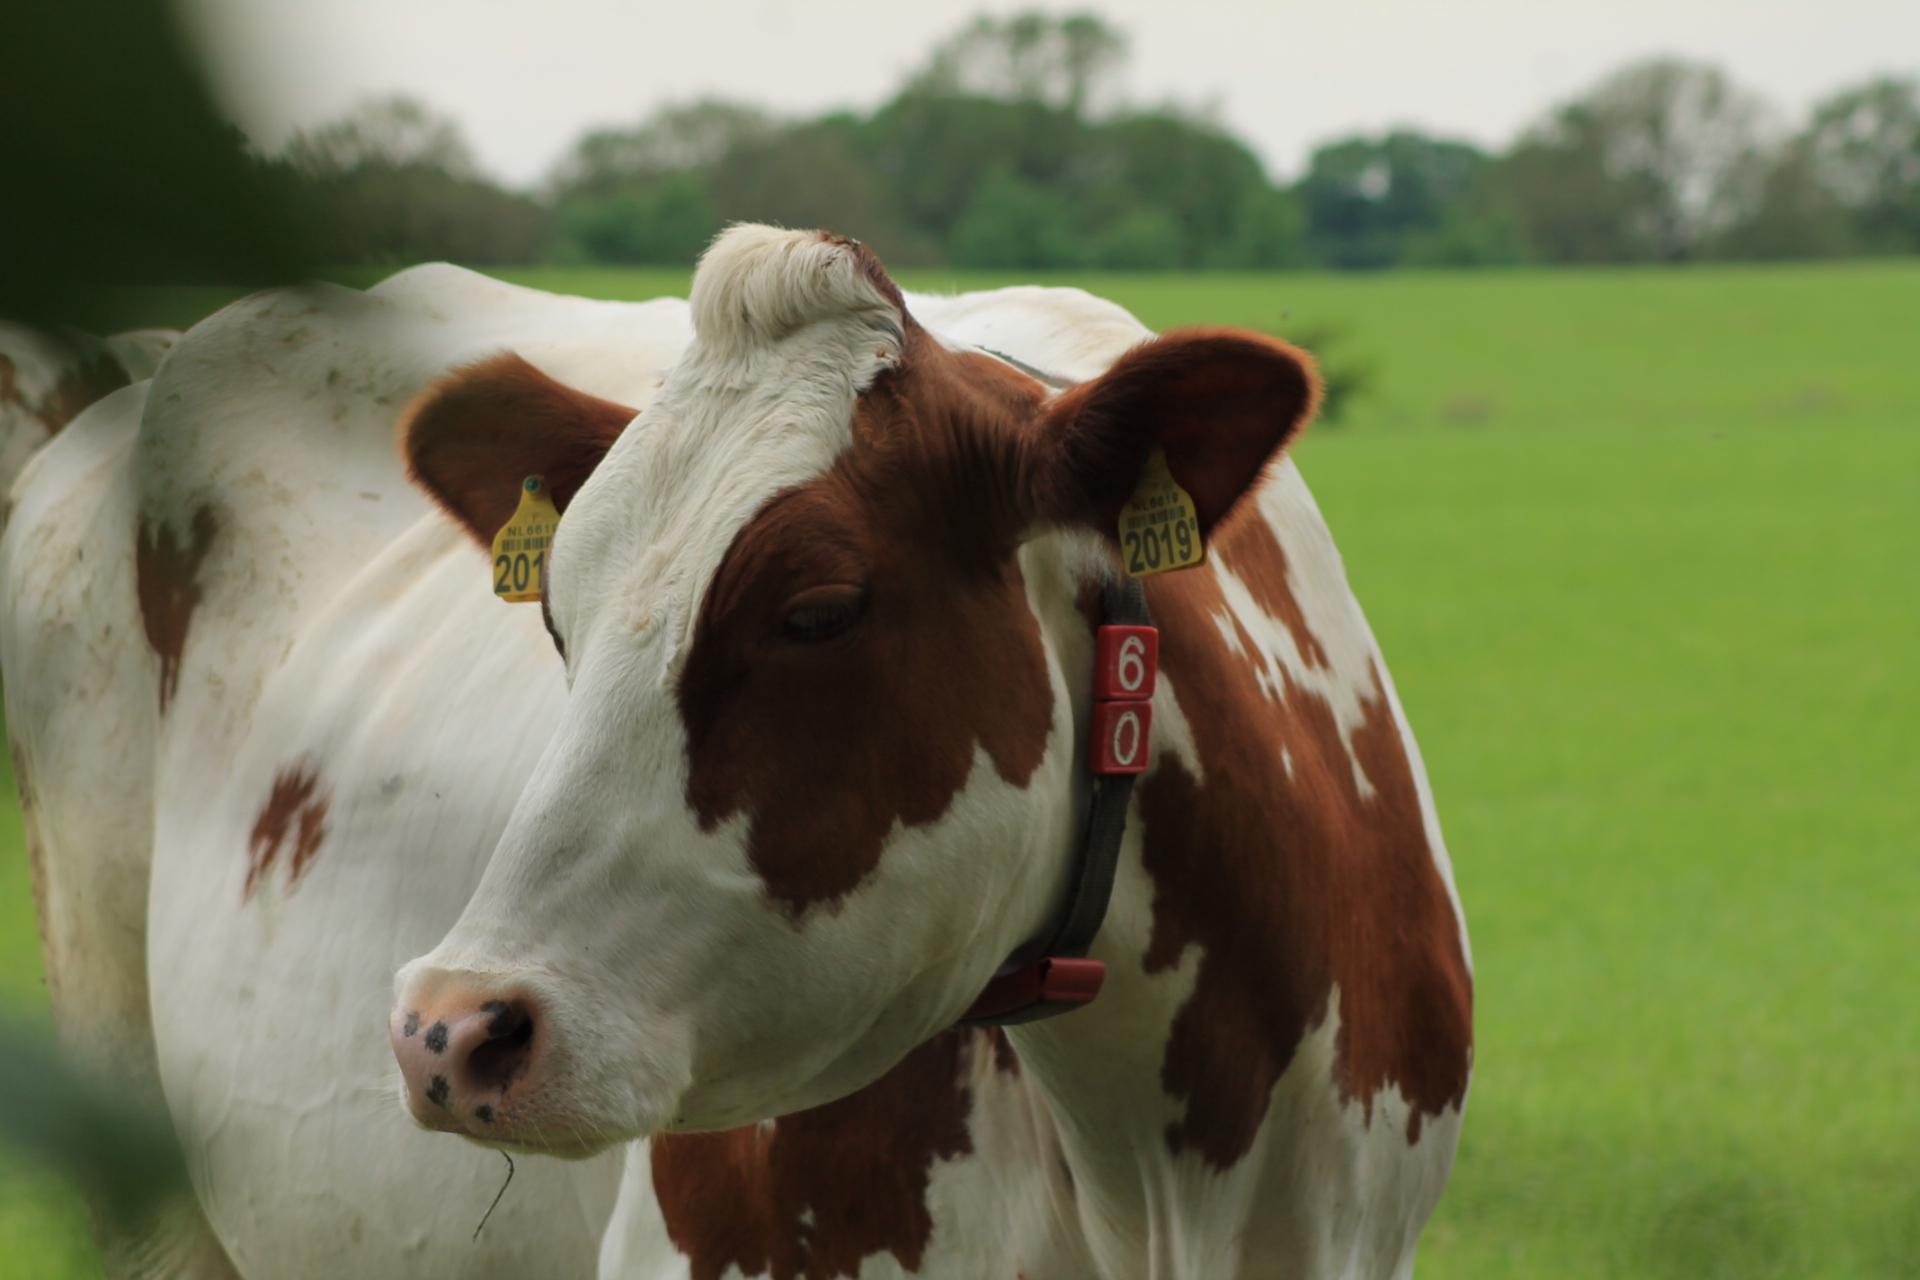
[(1046, 978)]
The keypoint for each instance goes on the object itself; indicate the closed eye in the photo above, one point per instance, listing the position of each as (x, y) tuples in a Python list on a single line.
[(823, 612)]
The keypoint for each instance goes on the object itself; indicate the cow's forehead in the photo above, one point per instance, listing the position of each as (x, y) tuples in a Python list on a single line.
[(789, 329)]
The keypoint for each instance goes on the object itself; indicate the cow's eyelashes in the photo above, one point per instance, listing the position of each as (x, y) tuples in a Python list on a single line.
[(821, 613)]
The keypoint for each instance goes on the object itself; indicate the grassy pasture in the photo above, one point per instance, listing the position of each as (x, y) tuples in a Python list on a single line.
[(1643, 549)]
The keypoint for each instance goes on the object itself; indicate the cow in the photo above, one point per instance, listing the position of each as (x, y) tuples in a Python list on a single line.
[(828, 613), (48, 376), (710, 849), (235, 658)]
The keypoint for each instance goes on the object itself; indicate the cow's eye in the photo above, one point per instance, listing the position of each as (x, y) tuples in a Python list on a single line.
[(821, 613)]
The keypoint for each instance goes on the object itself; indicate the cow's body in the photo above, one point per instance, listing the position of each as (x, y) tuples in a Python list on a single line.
[(263, 594), (47, 378), (286, 682)]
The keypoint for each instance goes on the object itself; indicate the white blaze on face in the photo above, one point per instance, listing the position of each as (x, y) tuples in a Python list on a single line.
[(788, 331)]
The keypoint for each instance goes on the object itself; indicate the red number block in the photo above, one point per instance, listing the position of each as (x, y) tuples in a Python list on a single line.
[(1126, 661), (1121, 734)]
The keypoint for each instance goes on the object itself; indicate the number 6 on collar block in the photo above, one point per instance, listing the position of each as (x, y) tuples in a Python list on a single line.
[(1126, 666), (1126, 661), (520, 548)]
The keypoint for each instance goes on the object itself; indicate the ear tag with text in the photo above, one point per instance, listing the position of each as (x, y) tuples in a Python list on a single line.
[(1159, 528), (520, 548)]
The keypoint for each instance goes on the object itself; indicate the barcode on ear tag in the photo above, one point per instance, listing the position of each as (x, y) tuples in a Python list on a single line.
[(1159, 528), (520, 548)]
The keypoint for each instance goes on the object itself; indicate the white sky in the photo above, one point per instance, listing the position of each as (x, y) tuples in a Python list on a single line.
[(525, 77)]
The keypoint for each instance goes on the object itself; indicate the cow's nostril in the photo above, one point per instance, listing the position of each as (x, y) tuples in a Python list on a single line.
[(494, 1065)]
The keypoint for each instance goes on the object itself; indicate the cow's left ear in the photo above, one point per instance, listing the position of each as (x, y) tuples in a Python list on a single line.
[(476, 434), (1222, 403)]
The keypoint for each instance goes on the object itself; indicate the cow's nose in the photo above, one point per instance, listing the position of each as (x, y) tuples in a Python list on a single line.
[(461, 1058)]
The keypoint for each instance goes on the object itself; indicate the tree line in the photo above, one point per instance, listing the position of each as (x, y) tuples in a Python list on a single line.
[(1009, 149)]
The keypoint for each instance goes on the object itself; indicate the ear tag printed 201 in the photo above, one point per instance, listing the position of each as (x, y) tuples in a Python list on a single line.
[(1159, 528), (520, 548)]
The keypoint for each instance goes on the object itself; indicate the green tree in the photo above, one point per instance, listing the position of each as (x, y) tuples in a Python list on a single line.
[(670, 221), (1366, 199), (1144, 240), (391, 183), (1269, 234), (1863, 145), (1654, 162), (1028, 57), (1011, 223)]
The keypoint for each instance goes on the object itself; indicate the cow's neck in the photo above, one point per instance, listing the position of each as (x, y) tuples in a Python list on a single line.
[(1145, 1209)]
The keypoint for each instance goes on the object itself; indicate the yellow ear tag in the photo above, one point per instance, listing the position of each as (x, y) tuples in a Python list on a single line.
[(520, 548), (1159, 528)]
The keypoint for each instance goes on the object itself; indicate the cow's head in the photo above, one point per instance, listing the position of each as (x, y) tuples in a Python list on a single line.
[(816, 775)]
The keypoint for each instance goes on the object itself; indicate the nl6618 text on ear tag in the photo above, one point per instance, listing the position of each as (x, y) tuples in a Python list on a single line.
[(1159, 528), (520, 548)]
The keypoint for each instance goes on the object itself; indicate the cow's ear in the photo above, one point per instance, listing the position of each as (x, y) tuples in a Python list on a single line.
[(476, 434), (1222, 403)]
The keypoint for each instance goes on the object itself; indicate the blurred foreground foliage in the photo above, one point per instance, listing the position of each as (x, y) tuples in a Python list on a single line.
[(118, 171)]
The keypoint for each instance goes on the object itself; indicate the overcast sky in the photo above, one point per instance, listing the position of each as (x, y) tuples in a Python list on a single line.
[(524, 77)]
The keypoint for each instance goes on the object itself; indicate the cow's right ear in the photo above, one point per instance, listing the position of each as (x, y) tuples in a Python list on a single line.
[(476, 434), (1220, 403)]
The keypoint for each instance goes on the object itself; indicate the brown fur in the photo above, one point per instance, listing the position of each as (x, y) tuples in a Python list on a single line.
[(1221, 402), (477, 433), (1291, 885), (811, 1195), (1256, 557), (295, 815), (166, 579)]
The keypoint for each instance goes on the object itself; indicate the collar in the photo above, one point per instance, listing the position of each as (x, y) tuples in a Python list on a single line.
[(1051, 975)]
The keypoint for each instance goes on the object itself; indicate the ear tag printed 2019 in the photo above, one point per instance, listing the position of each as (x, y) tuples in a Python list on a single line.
[(1159, 528), (520, 548)]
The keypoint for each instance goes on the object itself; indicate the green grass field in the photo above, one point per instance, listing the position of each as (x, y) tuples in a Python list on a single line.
[(1643, 548)]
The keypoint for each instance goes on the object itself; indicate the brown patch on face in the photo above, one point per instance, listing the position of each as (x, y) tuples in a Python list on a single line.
[(811, 1195), (1252, 554), (1293, 883), (166, 578), (294, 817), (827, 745), (476, 434)]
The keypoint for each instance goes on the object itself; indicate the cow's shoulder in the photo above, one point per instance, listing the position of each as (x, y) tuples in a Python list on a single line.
[(1291, 840)]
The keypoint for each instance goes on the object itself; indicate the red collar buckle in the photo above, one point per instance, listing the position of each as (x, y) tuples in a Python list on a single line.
[(1042, 989)]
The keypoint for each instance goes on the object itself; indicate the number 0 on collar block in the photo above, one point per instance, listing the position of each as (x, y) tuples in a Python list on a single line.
[(520, 548), (1159, 527), (1126, 664)]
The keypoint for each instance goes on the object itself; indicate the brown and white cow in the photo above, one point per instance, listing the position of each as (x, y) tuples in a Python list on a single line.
[(824, 608)]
